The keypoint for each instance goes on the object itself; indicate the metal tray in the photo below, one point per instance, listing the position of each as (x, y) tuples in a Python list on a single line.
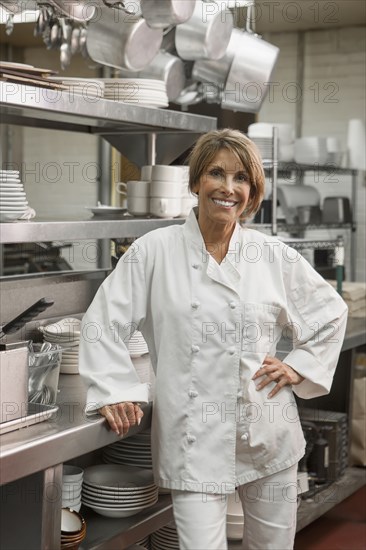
[(36, 413)]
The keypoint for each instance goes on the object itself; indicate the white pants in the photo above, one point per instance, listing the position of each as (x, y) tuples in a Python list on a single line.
[(269, 506)]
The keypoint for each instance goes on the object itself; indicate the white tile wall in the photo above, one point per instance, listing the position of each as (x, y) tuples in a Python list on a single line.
[(333, 93)]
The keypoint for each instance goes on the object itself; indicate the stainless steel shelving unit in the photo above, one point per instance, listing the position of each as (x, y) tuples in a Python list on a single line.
[(27, 232), (291, 170), (131, 129), (136, 132)]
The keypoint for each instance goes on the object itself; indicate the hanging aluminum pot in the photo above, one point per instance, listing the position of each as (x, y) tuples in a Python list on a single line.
[(122, 41), (207, 33), (166, 67), (160, 14), (213, 71), (250, 73)]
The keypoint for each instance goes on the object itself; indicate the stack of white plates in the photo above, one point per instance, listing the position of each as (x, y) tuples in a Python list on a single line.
[(143, 543), (118, 491), (13, 200), (137, 345), (65, 333), (165, 538), (89, 88), (136, 91), (132, 451)]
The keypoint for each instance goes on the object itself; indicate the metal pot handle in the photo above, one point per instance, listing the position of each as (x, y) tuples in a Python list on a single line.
[(250, 20)]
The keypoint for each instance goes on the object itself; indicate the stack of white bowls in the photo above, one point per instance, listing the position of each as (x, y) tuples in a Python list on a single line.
[(234, 517), (131, 451), (165, 538), (118, 491), (262, 134), (72, 481), (65, 333), (13, 200), (188, 200), (138, 196), (166, 191)]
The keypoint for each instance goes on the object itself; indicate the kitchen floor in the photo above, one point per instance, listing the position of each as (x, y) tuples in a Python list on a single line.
[(342, 528)]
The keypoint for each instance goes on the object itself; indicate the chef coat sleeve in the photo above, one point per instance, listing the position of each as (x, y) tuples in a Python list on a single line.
[(318, 318), (118, 309)]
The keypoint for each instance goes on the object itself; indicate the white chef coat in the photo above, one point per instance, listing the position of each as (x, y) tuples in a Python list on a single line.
[(208, 327)]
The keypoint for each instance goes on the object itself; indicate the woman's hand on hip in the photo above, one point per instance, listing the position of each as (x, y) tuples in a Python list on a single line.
[(121, 416), (273, 370)]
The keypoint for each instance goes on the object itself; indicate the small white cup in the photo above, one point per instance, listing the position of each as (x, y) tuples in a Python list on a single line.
[(165, 188), (134, 188), (165, 207), (146, 172), (162, 172), (138, 206)]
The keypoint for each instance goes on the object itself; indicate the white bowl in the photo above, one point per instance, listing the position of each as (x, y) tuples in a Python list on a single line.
[(71, 491), (65, 327), (71, 473), (69, 368), (70, 522), (118, 477)]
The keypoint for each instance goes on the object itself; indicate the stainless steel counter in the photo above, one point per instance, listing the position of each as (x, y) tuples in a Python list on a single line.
[(71, 433), (68, 435)]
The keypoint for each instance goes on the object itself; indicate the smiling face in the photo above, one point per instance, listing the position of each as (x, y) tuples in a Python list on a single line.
[(223, 190)]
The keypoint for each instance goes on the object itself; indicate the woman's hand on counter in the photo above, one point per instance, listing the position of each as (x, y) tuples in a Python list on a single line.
[(121, 416), (275, 371)]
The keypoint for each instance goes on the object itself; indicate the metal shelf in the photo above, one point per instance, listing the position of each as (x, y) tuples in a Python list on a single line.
[(125, 126), (108, 533), (285, 167), (43, 231)]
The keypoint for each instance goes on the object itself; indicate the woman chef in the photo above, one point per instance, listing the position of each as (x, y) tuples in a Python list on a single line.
[(212, 299)]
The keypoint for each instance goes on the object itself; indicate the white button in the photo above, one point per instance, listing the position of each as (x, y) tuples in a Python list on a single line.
[(195, 266), (231, 351), (193, 393), (191, 438), (232, 305), (195, 349), (195, 305), (240, 394), (244, 437)]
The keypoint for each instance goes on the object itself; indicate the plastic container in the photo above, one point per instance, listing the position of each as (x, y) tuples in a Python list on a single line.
[(44, 370)]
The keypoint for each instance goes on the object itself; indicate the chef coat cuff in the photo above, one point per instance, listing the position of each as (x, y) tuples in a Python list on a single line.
[(317, 381), (135, 394)]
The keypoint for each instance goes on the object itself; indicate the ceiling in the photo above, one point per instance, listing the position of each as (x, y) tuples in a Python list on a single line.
[(269, 15)]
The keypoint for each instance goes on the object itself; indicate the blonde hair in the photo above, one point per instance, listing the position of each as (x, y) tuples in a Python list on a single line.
[(206, 148)]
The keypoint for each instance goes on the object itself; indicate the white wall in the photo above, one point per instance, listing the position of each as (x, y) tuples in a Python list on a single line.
[(60, 168), (332, 93)]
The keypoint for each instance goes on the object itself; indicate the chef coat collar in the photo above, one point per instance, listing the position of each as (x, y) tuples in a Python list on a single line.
[(227, 267)]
